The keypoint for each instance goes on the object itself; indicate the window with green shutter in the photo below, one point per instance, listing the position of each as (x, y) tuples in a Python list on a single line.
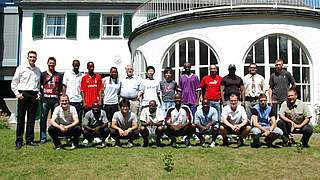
[(71, 25), (127, 24), (94, 25), (37, 25)]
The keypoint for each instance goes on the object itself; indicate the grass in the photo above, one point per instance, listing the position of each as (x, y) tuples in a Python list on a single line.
[(42, 162)]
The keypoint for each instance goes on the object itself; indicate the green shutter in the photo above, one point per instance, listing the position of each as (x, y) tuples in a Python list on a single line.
[(127, 25), (94, 25), (37, 25), (71, 25)]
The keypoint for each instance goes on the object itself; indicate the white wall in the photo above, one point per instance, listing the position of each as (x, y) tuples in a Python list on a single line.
[(103, 52)]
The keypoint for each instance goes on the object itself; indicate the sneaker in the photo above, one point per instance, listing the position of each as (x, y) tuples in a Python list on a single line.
[(130, 145), (173, 142), (85, 142), (97, 140), (73, 146), (104, 144), (145, 143), (213, 144), (43, 141)]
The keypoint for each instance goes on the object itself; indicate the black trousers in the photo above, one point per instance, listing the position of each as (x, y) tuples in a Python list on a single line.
[(73, 132), (90, 135), (110, 110), (27, 105), (79, 108), (306, 131), (131, 136)]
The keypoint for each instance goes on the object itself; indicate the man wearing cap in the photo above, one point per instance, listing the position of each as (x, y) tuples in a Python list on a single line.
[(232, 84), (254, 85)]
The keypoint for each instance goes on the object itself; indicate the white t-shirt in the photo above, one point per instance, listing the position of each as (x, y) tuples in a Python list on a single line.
[(65, 117), (73, 82), (234, 117), (155, 117), (150, 89), (111, 91)]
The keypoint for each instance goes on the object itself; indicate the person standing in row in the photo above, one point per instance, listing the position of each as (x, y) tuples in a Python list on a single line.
[(72, 83), (150, 88), (26, 86), (254, 85), (130, 89), (279, 84), (189, 87), (91, 87), (111, 93), (232, 84), (168, 88), (51, 82), (211, 85)]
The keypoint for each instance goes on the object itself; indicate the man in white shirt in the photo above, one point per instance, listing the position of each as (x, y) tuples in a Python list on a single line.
[(234, 121), (26, 86), (150, 88), (254, 85), (130, 89), (72, 82), (64, 122)]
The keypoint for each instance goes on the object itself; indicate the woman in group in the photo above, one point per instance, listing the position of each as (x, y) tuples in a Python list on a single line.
[(111, 93)]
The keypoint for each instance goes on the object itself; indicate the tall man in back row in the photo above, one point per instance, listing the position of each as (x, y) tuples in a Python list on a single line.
[(26, 86), (279, 85)]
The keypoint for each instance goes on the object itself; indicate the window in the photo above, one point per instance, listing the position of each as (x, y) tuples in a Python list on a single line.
[(139, 64), (198, 53), (55, 26), (111, 25), (265, 51)]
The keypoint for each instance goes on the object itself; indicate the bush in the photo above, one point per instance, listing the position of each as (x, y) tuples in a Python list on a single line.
[(4, 124)]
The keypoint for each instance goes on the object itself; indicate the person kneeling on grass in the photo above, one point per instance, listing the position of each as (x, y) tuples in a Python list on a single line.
[(234, 121), (95, 124), (206, 122), (178, 122), (151, 123), (124, 124), (264, 123), (64, 122)]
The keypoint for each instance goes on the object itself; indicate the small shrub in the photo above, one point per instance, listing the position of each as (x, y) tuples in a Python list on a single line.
[(4, 124), (168, 161)]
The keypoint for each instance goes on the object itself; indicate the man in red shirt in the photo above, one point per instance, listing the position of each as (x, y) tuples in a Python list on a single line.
[(211, 85), (91, 87)]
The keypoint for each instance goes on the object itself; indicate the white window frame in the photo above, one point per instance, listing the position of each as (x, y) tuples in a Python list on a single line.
[(289, 66), (104, 35), (55, 26)]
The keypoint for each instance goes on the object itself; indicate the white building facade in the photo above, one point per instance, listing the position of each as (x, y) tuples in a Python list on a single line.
[(232, 34)]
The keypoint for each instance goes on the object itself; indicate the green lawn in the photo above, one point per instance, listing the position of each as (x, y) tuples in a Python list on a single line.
[(43, 162)]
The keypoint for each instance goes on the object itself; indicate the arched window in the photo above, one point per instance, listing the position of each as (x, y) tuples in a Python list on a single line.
[(266, 50), (139, 64), (198, 53)]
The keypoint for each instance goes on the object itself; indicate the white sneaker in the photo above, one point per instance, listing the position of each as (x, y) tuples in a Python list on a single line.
[(130, 145), (85, 142), (72, 146), (213, 144), (97, 140)]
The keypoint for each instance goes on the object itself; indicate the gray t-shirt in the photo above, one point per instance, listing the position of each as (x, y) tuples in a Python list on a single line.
[(280, 84), (65, 117), (168, 90), (124, 122), (91, 121)]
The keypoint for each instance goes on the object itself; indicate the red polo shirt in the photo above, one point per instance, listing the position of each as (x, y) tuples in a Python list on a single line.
[(91, 87), (212, 87)]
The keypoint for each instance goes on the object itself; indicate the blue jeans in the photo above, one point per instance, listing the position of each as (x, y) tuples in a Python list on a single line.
[(48, 104), (216, 105)]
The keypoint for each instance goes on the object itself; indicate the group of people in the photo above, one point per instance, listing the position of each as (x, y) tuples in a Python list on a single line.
[(129, 107)]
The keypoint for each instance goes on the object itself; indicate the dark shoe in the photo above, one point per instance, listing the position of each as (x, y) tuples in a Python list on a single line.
[(117, 144), (202, 141), (240, 142), (187, 141), (32, 144), (306, 146), (145, 143), (285, 142), (158, 142), (225, 143), (18, 145), (291, 139), (255, 145), (173, 142)]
